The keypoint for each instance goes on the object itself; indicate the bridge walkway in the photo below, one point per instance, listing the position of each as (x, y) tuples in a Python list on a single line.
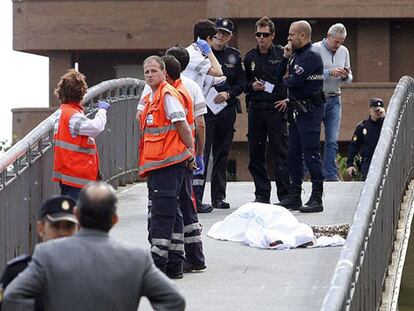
[(243, 278)]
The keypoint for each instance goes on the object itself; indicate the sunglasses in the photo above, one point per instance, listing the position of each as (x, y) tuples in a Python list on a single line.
[(263, 34)]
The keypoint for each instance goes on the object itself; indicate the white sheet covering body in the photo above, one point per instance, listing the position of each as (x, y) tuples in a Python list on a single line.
[(267, 226)]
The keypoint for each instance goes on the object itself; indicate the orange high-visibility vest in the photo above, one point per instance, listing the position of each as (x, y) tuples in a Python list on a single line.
[(161, 145), (188, 104), (76, 161)]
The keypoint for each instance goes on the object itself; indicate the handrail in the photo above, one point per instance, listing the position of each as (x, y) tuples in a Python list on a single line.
[(22, 146), (354, 252)]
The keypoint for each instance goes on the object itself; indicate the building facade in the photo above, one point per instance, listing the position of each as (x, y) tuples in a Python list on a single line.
[(110, 39)]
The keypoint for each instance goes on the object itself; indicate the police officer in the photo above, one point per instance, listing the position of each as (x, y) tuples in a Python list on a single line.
[(301, 70), (366, 137), (220, 126), (265, 121), (56, 220)]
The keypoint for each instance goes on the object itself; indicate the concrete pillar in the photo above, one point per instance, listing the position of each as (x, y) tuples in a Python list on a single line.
[(59, 63), (373, 51)]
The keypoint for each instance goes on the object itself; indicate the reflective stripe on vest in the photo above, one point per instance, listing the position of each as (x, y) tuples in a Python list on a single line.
[(162, 130), (73, 147), (71, 179), (175, 159)]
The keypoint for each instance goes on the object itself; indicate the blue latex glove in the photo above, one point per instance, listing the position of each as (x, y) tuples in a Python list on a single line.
[(103, 105), (199, 160), (203, 45)]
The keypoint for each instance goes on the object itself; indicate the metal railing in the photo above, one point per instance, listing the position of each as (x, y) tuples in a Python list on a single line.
[(26, 168), (360, 273)]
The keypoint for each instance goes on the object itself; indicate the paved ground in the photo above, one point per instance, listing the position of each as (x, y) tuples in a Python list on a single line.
[(239, 277)]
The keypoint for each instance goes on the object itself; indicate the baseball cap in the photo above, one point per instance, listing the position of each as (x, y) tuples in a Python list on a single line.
[(224, 24), (58, 208), (376, 103)]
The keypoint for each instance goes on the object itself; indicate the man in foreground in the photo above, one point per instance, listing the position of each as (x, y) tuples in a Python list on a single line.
[(91, 270)]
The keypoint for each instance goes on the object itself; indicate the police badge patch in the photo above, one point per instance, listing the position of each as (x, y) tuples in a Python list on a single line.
[(252, 65), (364, 131), (298, 69), (232, 59)]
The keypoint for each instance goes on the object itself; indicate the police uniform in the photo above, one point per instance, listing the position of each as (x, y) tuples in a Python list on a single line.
[(304, 82), (265, 122), (54, 209), (220, 127), (365, 140)]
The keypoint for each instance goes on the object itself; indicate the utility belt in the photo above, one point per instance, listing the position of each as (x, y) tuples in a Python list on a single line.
[(298, 107)]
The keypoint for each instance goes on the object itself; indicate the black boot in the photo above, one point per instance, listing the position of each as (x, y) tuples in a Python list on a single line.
[(314, 204), (292, 200)]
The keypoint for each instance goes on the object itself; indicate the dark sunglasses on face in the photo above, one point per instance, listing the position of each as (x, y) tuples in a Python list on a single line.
[(263, 34)]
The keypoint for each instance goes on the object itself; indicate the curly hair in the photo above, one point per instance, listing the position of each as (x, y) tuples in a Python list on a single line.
[(71, 87)]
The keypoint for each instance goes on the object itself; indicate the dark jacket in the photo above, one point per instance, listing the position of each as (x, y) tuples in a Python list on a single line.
[(260, 66)]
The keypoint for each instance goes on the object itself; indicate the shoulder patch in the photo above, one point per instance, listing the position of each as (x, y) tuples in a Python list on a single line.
[(234, 49), (19, 259)]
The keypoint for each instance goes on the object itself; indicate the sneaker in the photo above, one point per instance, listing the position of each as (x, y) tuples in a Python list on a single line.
[(221, 205), (204, 208), (189, 267)]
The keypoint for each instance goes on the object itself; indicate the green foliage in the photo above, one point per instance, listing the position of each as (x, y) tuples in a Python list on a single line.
[(343, 174)]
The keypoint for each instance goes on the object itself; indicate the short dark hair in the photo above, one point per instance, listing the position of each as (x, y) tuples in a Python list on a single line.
[(71, 87), (97, 205), (266, 21), (181, 54), (203, 29), (172, 66)]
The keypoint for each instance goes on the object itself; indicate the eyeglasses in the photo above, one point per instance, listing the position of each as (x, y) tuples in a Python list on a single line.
[(263, 34)]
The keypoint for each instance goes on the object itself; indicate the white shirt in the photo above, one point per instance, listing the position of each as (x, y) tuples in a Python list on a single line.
[(198, 67), (196, 94), (197, 97), (80, 125), (173, 108)]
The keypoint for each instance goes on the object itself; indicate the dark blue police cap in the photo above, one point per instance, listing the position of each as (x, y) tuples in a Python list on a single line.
[(376, 103), (58, 208), (224, 24)]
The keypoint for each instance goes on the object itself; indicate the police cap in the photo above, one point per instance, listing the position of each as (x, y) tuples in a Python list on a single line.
[(58, 208), (224, 24), (376, 103)]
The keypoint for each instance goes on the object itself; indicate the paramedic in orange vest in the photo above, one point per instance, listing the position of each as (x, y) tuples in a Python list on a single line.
[(166, 152), (76, 161), (193, 245)]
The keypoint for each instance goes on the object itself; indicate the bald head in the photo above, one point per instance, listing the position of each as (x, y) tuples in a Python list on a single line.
[(300, 34), (96, 207), (305, 28)]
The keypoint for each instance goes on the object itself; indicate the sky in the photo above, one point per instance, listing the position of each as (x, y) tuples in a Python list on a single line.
[(18, 90)]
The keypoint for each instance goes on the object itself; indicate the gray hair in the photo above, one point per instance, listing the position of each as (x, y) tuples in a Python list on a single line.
[(337, 29)]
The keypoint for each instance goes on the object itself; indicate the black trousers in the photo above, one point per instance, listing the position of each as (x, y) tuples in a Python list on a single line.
[(70, 191), (269, 125), (219, 136), (193, 244), (165, 218), (304, 144)]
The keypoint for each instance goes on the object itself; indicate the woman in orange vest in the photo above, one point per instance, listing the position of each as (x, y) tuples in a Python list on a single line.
[(76, 160)]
